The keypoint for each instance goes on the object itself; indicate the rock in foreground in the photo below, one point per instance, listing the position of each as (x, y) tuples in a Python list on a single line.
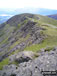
[(45, 62)]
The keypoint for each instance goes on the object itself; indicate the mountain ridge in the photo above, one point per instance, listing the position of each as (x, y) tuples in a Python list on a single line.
[(28, 32)]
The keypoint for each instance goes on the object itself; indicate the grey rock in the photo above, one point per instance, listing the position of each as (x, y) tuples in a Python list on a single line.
[(25, 56), (12, 58), (45, 62)]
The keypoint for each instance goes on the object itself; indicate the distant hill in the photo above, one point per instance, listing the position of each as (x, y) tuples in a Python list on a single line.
[(54, 16)]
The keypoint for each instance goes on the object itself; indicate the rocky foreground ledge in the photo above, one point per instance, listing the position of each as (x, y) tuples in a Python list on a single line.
[(47, 61)]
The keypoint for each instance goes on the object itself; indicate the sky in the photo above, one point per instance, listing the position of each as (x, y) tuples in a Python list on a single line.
[(42, 7), (49, 4)]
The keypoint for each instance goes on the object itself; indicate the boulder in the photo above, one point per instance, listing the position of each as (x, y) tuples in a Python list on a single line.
[(25, 56)]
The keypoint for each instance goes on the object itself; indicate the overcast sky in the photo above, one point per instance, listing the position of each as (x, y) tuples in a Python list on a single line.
[(50, 4)]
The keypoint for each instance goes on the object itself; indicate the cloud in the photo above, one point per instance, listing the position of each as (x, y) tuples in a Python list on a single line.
[(5, 15), (50, 4)]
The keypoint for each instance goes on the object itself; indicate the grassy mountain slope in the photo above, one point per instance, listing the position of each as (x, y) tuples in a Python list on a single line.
[(26, 32), (51, 29)]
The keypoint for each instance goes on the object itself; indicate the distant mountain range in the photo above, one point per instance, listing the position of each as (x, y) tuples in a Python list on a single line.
[(54, 16)]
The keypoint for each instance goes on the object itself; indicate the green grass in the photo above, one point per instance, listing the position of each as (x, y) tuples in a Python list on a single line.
[(44, 19), (4, 41), (15, 62), (15, 52), (45, 43), (3, 63)]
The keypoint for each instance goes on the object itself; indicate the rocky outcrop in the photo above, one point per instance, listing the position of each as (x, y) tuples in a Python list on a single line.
[(28, 33), (23, 56), (45, 62)]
